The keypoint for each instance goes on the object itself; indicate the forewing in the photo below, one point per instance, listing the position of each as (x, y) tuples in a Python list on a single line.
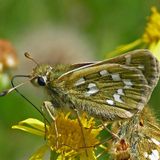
[(141, 59), (106, 91)]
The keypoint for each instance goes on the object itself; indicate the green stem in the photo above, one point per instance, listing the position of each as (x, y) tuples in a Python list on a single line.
[(53, 155)]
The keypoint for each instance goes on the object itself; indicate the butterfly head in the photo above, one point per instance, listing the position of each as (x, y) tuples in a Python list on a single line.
[(44, 74), (41, 74)]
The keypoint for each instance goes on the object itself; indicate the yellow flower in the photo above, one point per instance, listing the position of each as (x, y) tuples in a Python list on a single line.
[(70, 141), (150, 38), (152, 30)]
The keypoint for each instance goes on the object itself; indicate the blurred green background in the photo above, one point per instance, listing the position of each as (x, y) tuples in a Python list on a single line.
[(54, 30)]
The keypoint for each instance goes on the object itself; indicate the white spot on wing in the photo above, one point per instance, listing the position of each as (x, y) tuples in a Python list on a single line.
[(92, 89), (91, 85), (104, 73), (116, 77), (80, 81), (120, 91), (155, 141), (128, 83), (141, 67), (110, 102), (117, 98), (154, 155), (128, 59)]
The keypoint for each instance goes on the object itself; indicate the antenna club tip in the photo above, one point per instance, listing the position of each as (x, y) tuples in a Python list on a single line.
[(26, 54), (4, 93)]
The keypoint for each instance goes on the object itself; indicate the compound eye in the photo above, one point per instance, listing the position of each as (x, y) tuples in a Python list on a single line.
[(41, 81)]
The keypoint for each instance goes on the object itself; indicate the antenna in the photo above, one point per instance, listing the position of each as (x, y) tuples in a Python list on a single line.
[(27, 55), (4, 93), (12, 82)]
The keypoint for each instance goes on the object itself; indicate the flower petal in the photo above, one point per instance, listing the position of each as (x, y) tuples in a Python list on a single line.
[(28, 129), (124, 48), (31, 125)]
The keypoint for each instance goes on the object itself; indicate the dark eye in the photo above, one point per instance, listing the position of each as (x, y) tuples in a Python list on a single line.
[(41, 81)]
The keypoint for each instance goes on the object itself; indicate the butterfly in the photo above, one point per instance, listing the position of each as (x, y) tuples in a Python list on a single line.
[(112, 89)]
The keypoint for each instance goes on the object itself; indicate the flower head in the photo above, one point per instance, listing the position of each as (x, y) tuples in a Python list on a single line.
[(152, 30), (70, 136), (70, 141)]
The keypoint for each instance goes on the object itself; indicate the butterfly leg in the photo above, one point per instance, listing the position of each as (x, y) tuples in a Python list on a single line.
[(81, 126), (113, 134), (45, 126), (48, 106)]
